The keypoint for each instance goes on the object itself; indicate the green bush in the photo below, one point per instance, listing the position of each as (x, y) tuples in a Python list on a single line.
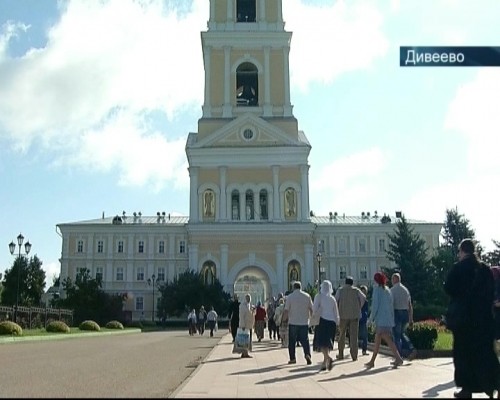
[(57, 327), (89, 326), (114, 325), (10, 328), (424, 334)]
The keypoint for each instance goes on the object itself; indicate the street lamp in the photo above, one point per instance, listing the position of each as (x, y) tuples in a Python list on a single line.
[(152, 281), (12, 248), (318, 259)]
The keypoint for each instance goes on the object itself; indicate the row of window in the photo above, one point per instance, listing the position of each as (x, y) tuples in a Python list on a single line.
[(120, 247), (208, 272), (362, 247)]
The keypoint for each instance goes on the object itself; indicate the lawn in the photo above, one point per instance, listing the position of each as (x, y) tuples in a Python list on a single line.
[(43, 332)]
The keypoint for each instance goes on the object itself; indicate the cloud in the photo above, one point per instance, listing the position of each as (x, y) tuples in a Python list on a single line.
[(349, 182), (52, 270), (333, 39), (474, 114), (473, 117), (101, 57)]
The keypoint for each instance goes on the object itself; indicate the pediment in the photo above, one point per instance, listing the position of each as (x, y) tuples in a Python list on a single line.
[(247, 130)]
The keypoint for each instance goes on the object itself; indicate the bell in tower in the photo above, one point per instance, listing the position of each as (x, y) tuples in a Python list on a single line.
[(245, 11)]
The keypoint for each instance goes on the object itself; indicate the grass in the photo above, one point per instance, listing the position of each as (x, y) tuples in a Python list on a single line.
[(43, 332), (444, 341)]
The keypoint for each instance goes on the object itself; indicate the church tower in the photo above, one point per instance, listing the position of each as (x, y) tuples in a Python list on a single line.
[(248, 162)]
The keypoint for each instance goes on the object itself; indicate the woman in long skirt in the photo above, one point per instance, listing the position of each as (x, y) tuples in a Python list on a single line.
[(324, 332)]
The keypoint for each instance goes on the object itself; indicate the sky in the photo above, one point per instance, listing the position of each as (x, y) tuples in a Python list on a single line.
[(97, 98)]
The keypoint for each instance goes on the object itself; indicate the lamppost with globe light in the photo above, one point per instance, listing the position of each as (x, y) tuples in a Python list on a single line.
[(12, 248), (153, 282)]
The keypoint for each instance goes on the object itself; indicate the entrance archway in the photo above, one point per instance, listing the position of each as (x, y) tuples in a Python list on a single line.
[(255, 281)]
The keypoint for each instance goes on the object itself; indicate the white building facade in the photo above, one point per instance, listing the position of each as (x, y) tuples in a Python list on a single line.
[(249, 220)]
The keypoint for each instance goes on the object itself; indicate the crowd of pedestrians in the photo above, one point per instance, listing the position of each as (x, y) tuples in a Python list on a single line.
[(348, 314)]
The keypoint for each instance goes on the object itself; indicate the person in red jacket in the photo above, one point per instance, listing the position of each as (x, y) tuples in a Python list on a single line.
[(260, 321)]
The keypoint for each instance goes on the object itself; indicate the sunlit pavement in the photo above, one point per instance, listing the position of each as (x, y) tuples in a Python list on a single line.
[(268, 375)]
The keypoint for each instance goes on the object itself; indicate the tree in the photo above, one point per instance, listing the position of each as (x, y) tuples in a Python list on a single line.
[(408, 250), (85, 297), (31, 282), (187, 291), (456, 228), (493, 257)]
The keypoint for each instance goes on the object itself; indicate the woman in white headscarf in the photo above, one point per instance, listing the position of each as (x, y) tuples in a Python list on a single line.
[(247, 321), (324, 332)]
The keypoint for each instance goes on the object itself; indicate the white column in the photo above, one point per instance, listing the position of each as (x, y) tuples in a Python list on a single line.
[(223, 194), (193, 194), (262, 12), (304, 178), (243, 208), (276, 193), (223, 267), (256, 204), (267, 83), (230, 10), (287, 107), (212, 11), (280, 269), (226, 108), (207, 106)]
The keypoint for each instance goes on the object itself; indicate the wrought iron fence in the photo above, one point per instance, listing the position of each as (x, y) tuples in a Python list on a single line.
[(36, 317)]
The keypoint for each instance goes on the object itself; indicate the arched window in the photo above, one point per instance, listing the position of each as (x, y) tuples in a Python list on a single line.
[(245, 11), (249, 205), (208, 272), (263, 204), (293, 272), (247, 85), (235, 205)]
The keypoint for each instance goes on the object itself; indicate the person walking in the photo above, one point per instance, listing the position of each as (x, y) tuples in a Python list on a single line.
[(350, 300), (382, 316), (192, 322), (298, 309), (212, 320), (403, 317), (324, 332), (363, 323), (247, 321), (281, 324), (470, 284), (271, 325), (234, 312), (260, 321), (202, 318)]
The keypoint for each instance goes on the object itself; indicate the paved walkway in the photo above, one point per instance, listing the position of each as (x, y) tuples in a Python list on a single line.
[(266, 375)]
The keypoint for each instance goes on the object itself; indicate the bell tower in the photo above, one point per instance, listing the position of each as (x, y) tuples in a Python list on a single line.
[(245, 53), (248, 162)]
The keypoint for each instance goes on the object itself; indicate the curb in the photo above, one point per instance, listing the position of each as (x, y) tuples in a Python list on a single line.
[(62, 336)]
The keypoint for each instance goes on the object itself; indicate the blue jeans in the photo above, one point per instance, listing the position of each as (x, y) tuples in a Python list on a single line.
[(298, 333), (363, 336), (403, 343)]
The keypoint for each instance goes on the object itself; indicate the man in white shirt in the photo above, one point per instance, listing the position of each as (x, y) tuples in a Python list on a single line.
[(298, 309), (403, 316)]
